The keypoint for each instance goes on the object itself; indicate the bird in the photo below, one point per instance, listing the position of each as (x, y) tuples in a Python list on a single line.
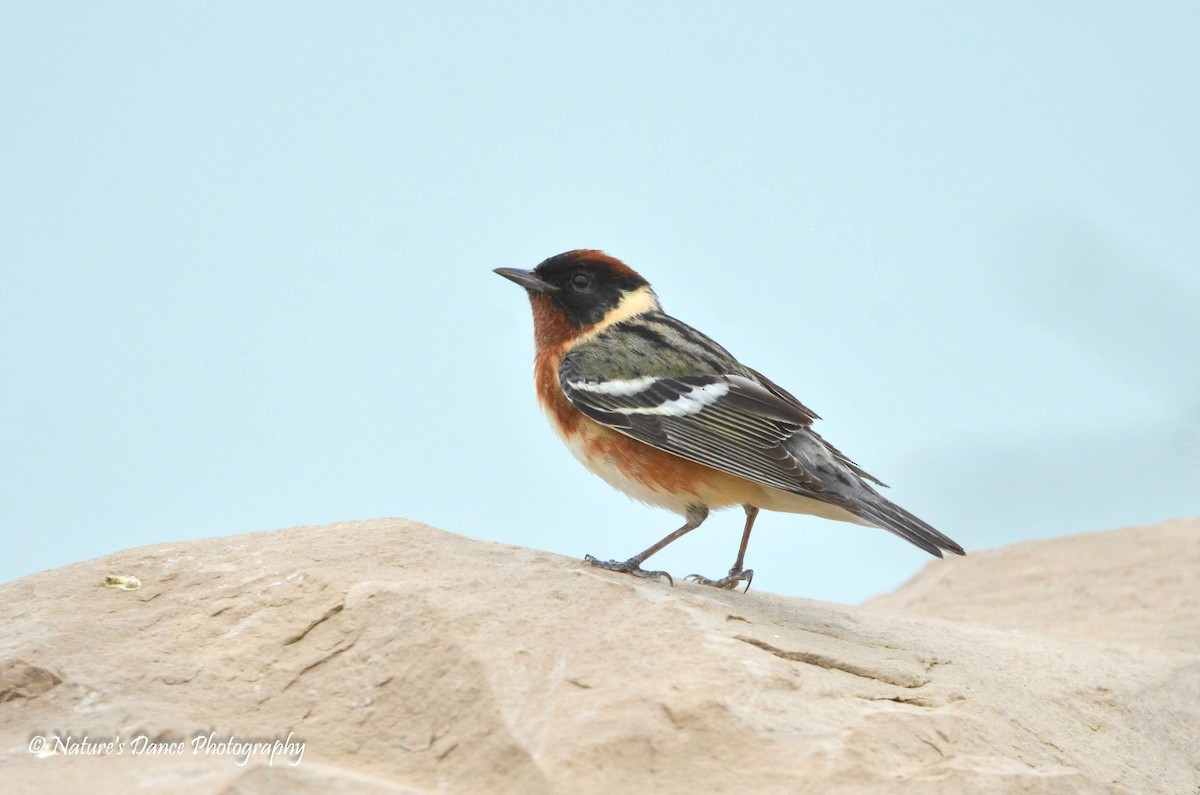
[(666, 415)]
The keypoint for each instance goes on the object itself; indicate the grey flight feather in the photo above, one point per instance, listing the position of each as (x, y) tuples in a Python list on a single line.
[(665, 384)]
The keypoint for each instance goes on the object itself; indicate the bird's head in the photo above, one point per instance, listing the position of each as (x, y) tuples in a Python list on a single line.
[(579, 292)]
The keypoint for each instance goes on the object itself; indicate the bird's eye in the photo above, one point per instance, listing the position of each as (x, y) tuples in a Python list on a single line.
[(580, 281)]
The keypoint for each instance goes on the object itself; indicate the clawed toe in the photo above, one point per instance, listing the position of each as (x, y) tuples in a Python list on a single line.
[(627, 567), (735, 578)]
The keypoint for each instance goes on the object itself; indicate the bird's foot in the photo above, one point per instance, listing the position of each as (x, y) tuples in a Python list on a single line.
[(627, 567), (735, 578)]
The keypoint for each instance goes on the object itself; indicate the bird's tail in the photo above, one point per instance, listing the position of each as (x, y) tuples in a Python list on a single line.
[(882, 512)]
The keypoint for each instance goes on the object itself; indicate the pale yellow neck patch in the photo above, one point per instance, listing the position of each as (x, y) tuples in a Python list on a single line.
[(632, 304)]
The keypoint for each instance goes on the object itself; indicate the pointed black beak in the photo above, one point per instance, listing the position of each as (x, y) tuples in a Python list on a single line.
[(527, 279)]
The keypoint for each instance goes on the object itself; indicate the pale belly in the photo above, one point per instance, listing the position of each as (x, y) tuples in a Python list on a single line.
[(708, 487)]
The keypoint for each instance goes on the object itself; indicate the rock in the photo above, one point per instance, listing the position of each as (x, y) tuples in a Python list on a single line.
[(404, 659), (1137, 586), (19, 679)]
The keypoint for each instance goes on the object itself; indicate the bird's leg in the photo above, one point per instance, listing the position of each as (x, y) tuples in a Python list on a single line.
[(695, 517), (736, 574)]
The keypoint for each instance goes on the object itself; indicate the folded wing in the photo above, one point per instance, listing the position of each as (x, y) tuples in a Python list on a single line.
[(737, 422)]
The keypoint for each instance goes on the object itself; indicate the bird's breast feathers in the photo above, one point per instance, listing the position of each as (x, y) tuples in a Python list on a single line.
[(639, 470)]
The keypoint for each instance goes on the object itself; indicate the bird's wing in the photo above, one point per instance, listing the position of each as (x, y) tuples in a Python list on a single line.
[(692, 399)]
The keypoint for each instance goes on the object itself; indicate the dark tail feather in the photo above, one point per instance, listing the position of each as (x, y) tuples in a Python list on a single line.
[(884, 513)]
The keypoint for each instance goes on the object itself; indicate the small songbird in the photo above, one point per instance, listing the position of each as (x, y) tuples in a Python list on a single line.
[(669, 417)]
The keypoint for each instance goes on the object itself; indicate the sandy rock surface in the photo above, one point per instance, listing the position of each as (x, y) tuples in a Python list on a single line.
[(404, 659)]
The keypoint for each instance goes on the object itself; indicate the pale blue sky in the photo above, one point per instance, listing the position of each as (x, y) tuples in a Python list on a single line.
[(247, 254)]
